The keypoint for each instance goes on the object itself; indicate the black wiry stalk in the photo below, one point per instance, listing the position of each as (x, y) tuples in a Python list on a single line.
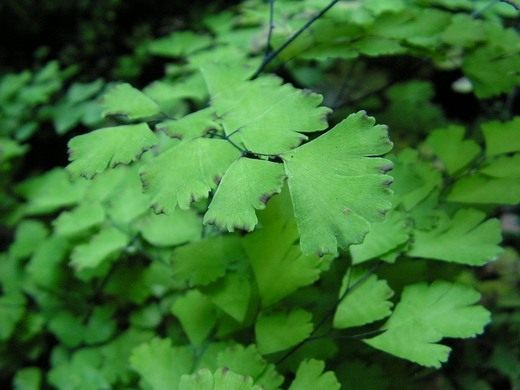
[(267, 60), (271, 27), (329, 315)]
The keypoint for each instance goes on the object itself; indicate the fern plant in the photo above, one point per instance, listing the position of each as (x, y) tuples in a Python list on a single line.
[(226, 229)]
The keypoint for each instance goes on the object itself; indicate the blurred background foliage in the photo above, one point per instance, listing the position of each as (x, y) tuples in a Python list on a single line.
[(58, 57)]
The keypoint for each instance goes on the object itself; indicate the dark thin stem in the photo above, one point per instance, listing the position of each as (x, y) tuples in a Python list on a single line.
[(331, 312), (344, 85), (271, 27), (349, 337), (377, 90), (291, 39)]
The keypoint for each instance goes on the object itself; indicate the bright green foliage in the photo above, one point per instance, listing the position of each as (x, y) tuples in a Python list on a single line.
[(179, 227), (78, 106), (246, 186), (190, 126), (426, 314), (108, 242), (222, 379), (253, 114), (486, 189), (231, 294), (411, 108), (196, 314), (50, 192), (187, 172), (99, 150), (455, 152), (84, 217), (502, 137), (160, 365), (464, 239), (382, 238), (364, 303), (128, 102), (415, 180), (203, 262), (493, 70), (503, 167), (279, 331), (334, 207), (12, 308), (10, 149), (29, 378), (278, 264), (247, 361), (45, 261), (178, 43), (310, 376), (28, 235), (175, 218)]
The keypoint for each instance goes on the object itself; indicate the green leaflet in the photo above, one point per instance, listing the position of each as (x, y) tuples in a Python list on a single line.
[(179, 227), (124, 100), (80, 219), (263, 115), (278, 264), (27, 237), (464, 239), (109, 241), (50, 192), (160, 365), (502, 167), (310, 376), (203, 262), (12, 308), (502, 137), (415, 179), (338, 185), (382, 238), (365, 303), (81, 371), (493, 70), (29, 378), (190, 126), (127, 202), (186, 172), (94, 152), (67, 328), (246, 186), (10, 149), (426, 314), (231, 294), (196, 314), (455, 152), (222, 379), (279, 331), (484, 189), (178, 44), (44, 265), (247, 361)]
